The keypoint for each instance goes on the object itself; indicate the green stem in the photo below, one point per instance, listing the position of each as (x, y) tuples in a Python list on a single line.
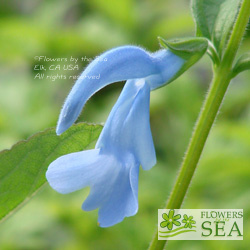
[(207, 116)]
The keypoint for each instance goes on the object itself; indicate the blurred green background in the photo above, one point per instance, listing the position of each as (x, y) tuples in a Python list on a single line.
[(79, 28)]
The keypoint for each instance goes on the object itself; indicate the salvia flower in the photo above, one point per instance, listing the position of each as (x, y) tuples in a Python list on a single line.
[(112, 168)]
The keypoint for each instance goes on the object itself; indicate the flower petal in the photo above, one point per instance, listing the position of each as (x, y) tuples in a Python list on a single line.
[(74, 171), (114, 184), (177, 223), (171, 214), (165, 216), (177, 217), (122, 63), (128, 125), (170, 225), (164, 223), (123, 200), (116, 194)]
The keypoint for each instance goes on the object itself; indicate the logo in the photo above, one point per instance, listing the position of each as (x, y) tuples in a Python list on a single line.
[(200, 224)]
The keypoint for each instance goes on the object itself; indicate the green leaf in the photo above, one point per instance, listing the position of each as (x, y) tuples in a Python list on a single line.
[(23, 167), (242, 64), (191, 49), (215, 19)]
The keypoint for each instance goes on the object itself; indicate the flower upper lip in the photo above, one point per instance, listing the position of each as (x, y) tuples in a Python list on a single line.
[(123, 63)]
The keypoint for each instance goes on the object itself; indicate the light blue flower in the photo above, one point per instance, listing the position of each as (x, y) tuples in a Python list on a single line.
[(112, 168)]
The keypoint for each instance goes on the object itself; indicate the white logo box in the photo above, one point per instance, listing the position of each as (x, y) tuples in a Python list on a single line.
[(200, 224)]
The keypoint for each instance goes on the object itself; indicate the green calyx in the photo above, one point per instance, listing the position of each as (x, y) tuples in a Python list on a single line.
[(191, 49)]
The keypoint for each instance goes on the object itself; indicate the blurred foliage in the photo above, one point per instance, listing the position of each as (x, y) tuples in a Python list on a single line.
[(77, 28)]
